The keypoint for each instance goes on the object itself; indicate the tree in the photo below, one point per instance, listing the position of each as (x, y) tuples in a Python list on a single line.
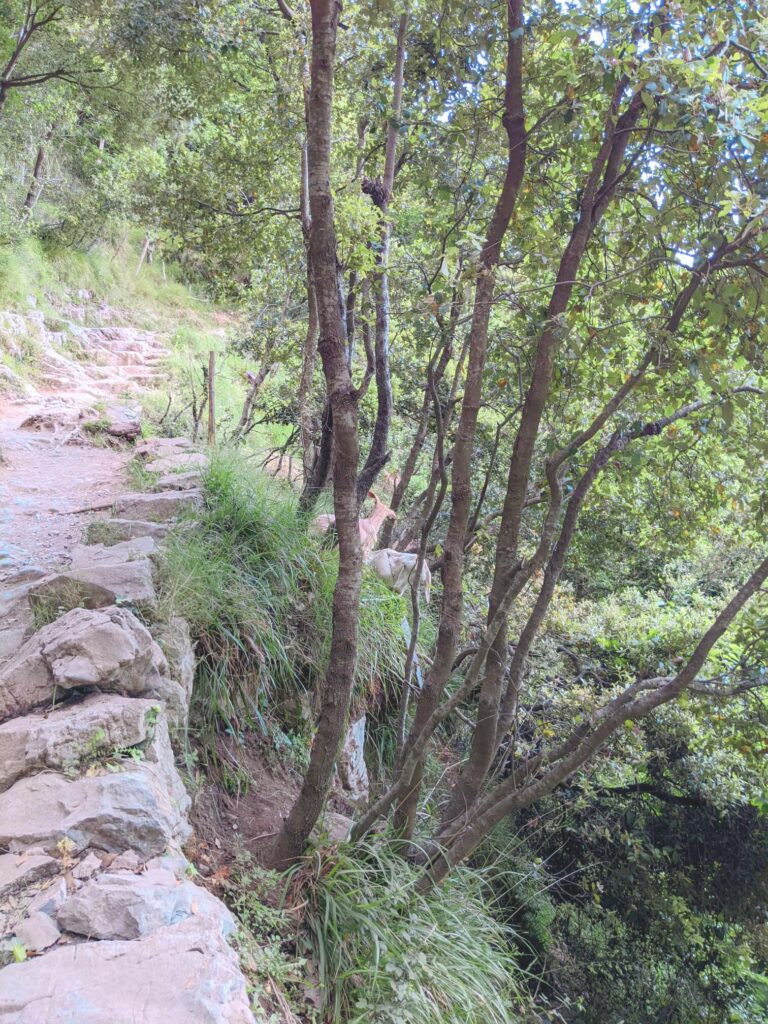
[(339, 678)]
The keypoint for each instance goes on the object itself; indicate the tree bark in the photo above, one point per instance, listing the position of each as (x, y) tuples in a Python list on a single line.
[(378, 454), (453, 557), (36, 184), (339, 679), (604, 171)]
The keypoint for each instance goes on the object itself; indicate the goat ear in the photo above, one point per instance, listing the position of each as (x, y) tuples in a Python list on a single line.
[(371, 494)]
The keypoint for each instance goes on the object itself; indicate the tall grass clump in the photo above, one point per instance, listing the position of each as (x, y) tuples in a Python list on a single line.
[(238, 576), (257, 592), (387, 954)]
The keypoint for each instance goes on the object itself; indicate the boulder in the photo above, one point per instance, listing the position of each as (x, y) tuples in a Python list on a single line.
[(85, 556), (177, 481), (106, 648), (114, 531), (130, 906), (181, 462), (159, 507), (182, 974), (37, 932), (141, 808), (66, 738), (20, 869), (118, 421), (158, 447), (97, 586)]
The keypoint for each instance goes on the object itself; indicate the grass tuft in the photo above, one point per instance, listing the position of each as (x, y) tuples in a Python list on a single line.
[(388, 954)]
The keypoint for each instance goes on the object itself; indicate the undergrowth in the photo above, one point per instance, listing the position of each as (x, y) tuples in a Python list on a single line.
[(257, 592), (385, 953)]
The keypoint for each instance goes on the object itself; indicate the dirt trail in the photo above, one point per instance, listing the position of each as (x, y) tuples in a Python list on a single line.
[(52, 469)]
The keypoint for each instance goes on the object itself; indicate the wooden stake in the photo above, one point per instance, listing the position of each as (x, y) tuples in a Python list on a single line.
[(211, 398)]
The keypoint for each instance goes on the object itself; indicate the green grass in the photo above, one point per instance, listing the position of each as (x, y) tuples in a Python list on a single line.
[(257, 592), (386, 954)]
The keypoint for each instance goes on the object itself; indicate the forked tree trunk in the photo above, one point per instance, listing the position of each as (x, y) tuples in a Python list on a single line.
[(461, 492), (378, 453), (339, 680)]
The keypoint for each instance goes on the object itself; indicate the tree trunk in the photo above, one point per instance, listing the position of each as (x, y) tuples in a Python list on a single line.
[(378, 454), (605, 169), (453, 549), (339, 680), (36, 184)]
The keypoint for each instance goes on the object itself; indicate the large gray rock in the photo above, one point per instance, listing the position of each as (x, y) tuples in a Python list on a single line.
[(181, 462), (20, 869), (177, 481), (182, 974), (157, 447), (85, 556), (141, 808), (114, 531), (66, 738), (176, 643), (37, 932), (130, 906), (107, 648), (97, 586), (160, 507)]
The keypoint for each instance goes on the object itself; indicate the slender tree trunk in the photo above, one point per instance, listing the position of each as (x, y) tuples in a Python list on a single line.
[(339, 680), (605, 170), (453, 548), (378, 453), (436, 370), (211, 398), (36, 183)]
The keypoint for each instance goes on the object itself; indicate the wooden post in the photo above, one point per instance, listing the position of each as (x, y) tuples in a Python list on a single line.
[(211, 398)]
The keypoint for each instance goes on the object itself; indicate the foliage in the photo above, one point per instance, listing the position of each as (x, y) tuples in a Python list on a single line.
[(384, 953), (256, 592)]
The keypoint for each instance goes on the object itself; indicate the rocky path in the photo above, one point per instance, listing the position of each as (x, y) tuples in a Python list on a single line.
[(101, 921)]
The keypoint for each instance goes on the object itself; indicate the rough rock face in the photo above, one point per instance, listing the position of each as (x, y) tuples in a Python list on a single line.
[(80, 733), (97, 586), (141, 808), (113, 531), (107, 648), (183, 461), (93, 811), (128, 906), (157, 447), (84, 556), (158, 508), (181, 974)]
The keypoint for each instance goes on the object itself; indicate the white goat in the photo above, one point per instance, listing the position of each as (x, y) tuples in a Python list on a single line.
[(397, 569)]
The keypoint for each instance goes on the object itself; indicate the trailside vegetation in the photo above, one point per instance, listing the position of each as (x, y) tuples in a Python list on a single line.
[(504, 265)]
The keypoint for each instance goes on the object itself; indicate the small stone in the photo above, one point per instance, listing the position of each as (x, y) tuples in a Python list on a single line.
[(88, 866), (37, 932), (49, 899), (128, 861)]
